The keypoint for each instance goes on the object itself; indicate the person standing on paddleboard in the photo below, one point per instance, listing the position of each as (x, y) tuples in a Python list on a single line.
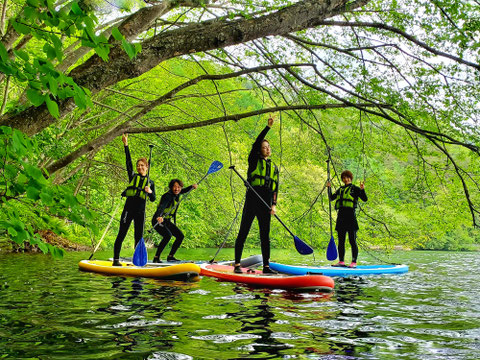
[(162, 219), (134, 208), (348, 196), (263, 177)]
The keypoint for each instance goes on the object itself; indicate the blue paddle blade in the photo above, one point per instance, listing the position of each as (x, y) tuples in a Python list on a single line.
[(301, 247), (214, 167), (140, 256), (332, 250)]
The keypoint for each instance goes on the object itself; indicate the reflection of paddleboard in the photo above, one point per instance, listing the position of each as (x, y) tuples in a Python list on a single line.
[(183, 272), (253, 260), (277, 281), (339, 271)]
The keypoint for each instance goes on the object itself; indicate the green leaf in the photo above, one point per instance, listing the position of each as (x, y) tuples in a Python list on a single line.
[(117, 35), (35, 97), (33, 3), (52, 85), (129, 49), (33, 193), (21, 28), (3, 53), (76, 9), (46, 198), (52, 107), (34, 173), (21, 54), (103, 52)]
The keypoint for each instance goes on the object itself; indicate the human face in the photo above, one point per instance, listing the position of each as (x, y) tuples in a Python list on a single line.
[(142, 168), (176, 188), (346, 180), (266, 150)]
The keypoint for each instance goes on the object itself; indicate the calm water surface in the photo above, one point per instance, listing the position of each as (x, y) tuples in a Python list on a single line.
[(50, 310)]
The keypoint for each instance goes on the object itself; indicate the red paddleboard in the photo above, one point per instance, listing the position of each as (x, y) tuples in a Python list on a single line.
[(277, 281)]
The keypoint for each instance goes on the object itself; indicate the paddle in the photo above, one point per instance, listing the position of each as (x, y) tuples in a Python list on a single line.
[(301, 246), (332, 247), (140, 255), (214, 167)]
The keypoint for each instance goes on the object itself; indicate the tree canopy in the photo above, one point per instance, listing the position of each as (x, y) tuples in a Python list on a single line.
[(385, 88)]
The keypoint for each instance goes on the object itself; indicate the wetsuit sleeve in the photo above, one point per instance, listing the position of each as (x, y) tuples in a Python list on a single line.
[(330, 195), (362, 194), (128, 161), (255, 152), (152, 196), (186, 190)]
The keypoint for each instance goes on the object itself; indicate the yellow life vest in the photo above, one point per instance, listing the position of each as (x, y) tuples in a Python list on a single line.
[(135, 188), (264, 176), (345, 199), (169, 212)]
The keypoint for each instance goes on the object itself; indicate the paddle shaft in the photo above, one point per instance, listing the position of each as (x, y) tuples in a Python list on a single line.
[(148, 184), (328, 194), (248, 185)]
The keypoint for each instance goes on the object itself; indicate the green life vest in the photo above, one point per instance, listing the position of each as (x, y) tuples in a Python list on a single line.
[(345, 199), (169, 212), (264, 176), (135, 188)]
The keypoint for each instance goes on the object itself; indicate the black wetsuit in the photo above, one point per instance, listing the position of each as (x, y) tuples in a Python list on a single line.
[(134, 209), (254, 207), (167, 228), (347, 221)]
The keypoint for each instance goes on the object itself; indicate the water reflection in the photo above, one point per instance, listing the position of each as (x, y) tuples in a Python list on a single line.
[(138, 311)]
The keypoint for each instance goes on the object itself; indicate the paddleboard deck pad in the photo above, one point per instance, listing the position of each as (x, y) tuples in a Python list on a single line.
[(276, 281), (181, 272), (251, 261), (339, 271)]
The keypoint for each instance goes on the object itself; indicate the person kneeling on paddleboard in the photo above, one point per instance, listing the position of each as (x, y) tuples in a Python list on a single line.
[(136, 194), (263, 177), (162, 219), (348, 196)]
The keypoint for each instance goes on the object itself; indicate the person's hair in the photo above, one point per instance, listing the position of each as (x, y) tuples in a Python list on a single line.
[(173, 181), (347, 173), (144, 160)]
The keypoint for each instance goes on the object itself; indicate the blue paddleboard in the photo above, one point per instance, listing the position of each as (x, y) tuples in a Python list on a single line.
[(340, 271)]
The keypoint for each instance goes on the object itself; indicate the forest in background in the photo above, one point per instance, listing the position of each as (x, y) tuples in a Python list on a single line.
[(405, 124)]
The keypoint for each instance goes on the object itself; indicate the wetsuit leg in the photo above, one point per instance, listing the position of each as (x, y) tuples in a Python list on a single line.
[(341, 244), (138, 222), (125, 221), (264, 217), (178, 238), (352, 238), (248, 215), (166, 234)]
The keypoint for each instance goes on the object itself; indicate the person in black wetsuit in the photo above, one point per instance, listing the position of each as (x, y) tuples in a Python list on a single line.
[(346, 204), (162, 219), (134, 208), (263, 176)]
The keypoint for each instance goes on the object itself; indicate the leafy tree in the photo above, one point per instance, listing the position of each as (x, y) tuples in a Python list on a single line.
[(387, 88)]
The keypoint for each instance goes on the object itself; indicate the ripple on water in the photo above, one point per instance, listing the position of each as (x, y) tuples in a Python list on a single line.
[(224, 338), (163, 355)]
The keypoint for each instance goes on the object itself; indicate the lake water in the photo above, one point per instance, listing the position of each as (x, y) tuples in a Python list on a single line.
[(51, 310)]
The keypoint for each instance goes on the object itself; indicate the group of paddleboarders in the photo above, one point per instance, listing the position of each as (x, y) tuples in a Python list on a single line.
[(263, 176)]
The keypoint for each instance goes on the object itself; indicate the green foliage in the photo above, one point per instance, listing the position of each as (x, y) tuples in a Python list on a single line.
[(28, 200)]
